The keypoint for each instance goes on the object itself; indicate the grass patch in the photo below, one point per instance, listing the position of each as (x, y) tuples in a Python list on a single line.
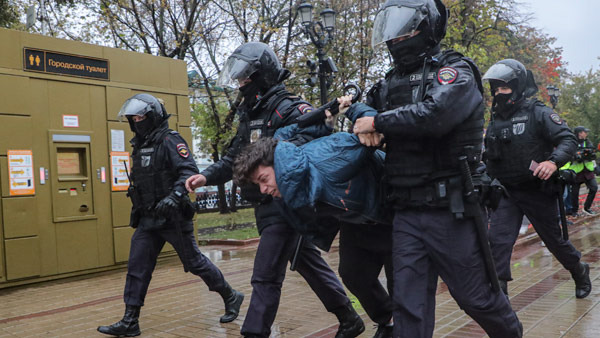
[(239, 234), (212, 219)]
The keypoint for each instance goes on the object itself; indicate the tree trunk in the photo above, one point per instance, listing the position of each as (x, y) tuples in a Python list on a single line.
[(233, 198), (222, 199)]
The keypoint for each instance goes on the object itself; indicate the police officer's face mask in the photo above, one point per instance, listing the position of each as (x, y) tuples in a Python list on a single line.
[(408, 53), (143, 127), (503, 103), (249, 89)]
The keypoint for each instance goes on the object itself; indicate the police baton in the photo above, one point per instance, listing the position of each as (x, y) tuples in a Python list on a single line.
[(473, 209), (299, 245), (317, 115), (561, 210)]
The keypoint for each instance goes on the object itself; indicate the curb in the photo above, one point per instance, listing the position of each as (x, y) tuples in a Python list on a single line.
[(231, 242)]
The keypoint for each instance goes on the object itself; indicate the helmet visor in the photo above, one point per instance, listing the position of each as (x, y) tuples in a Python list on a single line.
[(394, 22), (132, 107), (233, 71), (500, 72)]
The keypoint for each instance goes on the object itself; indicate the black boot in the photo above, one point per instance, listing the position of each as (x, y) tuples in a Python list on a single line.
[(233, 300), (384, 330), (126, 327), (351, 325), (581, 276)]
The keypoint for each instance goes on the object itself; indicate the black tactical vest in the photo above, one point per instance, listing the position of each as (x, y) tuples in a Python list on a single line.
[(512, 143), (152, 178), (419, 162)]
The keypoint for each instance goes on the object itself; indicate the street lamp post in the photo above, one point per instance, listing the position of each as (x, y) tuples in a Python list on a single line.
[(554, 93), (320, 34)]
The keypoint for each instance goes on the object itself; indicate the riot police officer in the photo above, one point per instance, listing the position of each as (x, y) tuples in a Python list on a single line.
[(267, 106), (161, 212), (525, 143), (431, 115)]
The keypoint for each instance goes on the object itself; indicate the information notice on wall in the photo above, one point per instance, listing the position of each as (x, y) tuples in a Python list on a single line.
[(119, 168), (20, 172)]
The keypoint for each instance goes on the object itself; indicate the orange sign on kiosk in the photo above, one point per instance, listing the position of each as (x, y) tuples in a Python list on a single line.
[(120, 168), (20, 172)]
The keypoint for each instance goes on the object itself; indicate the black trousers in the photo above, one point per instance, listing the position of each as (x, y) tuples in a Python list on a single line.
[(592, 186), (542, 210), (145, 247), (431, 242), (364, 251), (276, 247)]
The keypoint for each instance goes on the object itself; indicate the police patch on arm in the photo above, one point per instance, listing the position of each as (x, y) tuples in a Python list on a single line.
[(555, 118), (447, 75), (304, 108), (182, 150)]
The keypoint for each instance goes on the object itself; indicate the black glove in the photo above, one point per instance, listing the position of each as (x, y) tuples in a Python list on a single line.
[(168, 205), (567, 175)]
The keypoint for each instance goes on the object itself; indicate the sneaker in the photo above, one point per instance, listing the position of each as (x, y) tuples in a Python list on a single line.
[(588, 212)]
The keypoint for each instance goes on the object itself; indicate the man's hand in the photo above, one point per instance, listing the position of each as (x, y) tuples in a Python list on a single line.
[(195, 181), (545, 170), (345, 103), (364, 125), (167, 205), (371, 139)]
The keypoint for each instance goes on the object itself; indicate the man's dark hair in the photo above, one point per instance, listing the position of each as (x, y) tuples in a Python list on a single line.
[(261, 152)]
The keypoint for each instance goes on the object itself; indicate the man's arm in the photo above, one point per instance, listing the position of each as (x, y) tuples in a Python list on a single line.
[(444, 107), (285, 117)]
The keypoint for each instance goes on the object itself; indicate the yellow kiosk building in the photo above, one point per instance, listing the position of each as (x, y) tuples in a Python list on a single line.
[(63, 208)]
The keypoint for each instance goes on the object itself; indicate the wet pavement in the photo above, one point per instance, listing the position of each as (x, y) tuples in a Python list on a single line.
[(180, 305)]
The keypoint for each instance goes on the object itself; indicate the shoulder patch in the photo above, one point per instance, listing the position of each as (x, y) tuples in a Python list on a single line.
[(555, 118), (447, 75), (173, 132), (305, 108), (182, 150)]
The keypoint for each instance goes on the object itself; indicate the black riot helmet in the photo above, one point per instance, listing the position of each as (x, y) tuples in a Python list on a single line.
[(511, 73), (143, 105), (255, 61), (422, 24)]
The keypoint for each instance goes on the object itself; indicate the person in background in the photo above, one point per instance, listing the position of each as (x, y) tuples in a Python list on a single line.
[(584, 165)]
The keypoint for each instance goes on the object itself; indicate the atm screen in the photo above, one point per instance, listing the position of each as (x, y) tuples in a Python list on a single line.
[(68, 162)]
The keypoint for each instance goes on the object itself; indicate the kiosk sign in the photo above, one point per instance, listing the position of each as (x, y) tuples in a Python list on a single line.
[(37, 60)]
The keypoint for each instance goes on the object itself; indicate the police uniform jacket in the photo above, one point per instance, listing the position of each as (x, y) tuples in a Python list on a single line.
[(534, 132), (161, 164), (273, 110), (429, 118)]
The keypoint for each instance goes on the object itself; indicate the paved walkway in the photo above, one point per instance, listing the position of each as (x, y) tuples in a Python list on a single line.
[(179, 304)]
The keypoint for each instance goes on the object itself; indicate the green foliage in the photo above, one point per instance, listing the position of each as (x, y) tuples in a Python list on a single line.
[(580, 102), (207, 127), (239, 234), (213, 219), (9, 14)]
